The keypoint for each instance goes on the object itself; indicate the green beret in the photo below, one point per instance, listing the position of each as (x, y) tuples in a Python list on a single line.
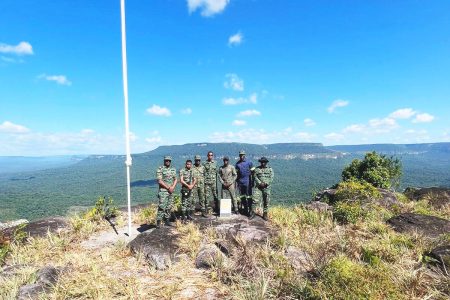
[(168, 157)]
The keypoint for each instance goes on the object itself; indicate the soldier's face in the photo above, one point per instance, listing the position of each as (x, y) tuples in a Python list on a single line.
[(241, 156), (197, 162), (210, 156), (167, 162), (225, 162), (263, 164), (188, 165)]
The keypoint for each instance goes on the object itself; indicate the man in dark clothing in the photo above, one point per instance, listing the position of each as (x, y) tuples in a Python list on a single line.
[(244, 184)]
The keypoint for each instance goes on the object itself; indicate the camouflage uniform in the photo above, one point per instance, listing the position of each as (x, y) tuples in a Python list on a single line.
[(187, 203), (198, 192), (228, 175), (210, 184), (263, 175), (168, 175)]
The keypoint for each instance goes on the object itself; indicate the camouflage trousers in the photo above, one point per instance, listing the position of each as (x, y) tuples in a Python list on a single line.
[(198, 194), (230, 192), (262, 195), (187, 201), (165, 205), (210, 190)]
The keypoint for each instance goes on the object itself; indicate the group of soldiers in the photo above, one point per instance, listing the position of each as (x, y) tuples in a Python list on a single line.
[(199, 184)]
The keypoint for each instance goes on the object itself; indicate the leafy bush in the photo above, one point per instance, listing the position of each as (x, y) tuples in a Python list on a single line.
[(356, 190), (377, 169), (104, 209), (349, 212)]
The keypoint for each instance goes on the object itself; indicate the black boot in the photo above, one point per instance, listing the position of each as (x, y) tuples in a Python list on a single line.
[(251, 213), (173, 217), (265, 217), (167, 222), (204, 215), (183, 217), (189, 215), (158, 223)]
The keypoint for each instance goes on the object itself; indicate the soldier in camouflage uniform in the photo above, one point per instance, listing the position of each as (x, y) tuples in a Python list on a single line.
[(263, 181), (167, 180), (227, 177), (210, 183), (243, 168), (198, 193), (188, 181)]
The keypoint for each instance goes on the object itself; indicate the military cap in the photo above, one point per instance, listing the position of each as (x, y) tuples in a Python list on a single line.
[(263, 159), (168, 157), (197, 157), (242, 152), (226, 158)]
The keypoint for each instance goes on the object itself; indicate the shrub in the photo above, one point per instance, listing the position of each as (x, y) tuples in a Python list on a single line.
[(356, 190), (349, 212), (104, 209), (377, 169)]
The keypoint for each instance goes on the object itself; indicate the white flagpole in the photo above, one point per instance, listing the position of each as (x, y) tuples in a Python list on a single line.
[(125, 94)]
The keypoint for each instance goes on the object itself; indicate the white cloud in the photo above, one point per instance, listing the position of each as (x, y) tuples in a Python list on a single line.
[(337, 103), (250, 135), (333, 136), (403, 113), (304, 136), (423, 118), (309, 122), (383, 125), (157, 110), (59, 79), (153, 140), (186, 111), (234, 83), (355, 128), (23, 48), (253, 99), (87, 131), (249, 113), (208, 8), (236, 39), (9, 127), (239, 123)]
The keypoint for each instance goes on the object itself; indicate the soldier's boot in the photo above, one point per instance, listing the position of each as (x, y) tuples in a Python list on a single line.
[(173, 217), (251, 213), (189, 215), (204, 215), (265, 217), (166, 222), (158, 224), (183, 217)]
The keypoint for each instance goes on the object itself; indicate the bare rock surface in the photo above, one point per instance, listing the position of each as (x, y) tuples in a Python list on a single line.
[(40, 227), (46, 278), (300, 260), (318, 206), (429, 226), (442, 255), (208, 256), (437, 197)]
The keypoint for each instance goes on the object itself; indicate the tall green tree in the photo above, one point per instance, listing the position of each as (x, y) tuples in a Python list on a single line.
[(379, 170)]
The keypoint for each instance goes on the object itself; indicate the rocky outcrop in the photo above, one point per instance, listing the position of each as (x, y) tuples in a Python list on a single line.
[(327, 195), (437, 197), (318, 206), (46, 279), (158, 246), (387, 198), (442, 255), (40, 227), (429, 226), (209, 256)]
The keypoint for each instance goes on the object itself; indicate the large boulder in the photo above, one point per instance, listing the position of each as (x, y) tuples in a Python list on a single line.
[(209, 256), (318, 206), (442, 255), (46, 278), (429, 226), (436, 196), (158, 246), (40, 227)]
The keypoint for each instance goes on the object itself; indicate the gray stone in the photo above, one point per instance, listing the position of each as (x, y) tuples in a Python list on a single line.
[(429, 226), (442, 254), (40, 227), (300, 260), (158, 247), (10, 224), (46, 279), (327, 194), (318, 206), (437, 197), (208, 256)]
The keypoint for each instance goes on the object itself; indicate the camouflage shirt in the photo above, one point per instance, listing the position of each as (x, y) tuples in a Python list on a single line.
[(187, 175), (210, 172), (168, 175), (263, 175), (227, 175), (199, 173)]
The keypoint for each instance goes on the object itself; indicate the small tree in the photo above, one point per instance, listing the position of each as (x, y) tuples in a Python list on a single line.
[(377, 169)]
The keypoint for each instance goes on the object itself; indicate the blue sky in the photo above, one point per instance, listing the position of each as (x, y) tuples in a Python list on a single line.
[(261, 71)]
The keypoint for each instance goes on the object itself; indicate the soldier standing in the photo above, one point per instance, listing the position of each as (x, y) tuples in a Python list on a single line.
[(227, 176), (188, 181), (263, 181), (167, 180), (243, 168), (198, 193), (210, 183)]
